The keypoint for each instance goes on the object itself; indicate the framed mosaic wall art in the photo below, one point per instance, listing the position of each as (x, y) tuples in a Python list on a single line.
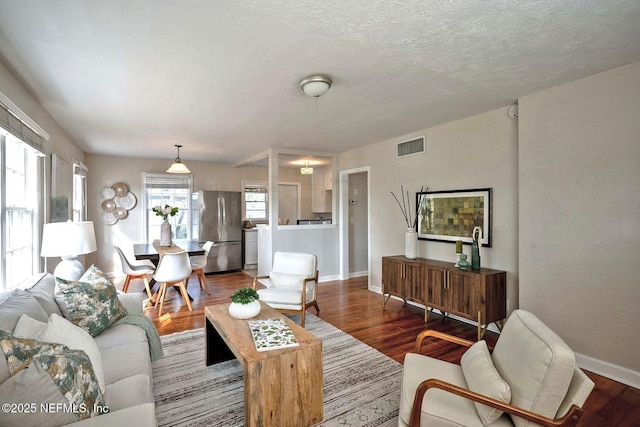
[(447, 216)]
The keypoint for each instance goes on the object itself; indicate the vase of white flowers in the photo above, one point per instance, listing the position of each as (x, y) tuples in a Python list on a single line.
[(411, 235), (165, 228)]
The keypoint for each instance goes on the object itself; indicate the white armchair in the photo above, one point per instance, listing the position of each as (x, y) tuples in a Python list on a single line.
[(530, 379), (292, 285)]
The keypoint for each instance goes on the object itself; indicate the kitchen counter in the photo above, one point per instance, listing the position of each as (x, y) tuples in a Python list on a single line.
[(318, 239), (305, 227)]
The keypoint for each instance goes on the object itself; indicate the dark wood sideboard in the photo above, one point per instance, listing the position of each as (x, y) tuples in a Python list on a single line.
[(480, 296)]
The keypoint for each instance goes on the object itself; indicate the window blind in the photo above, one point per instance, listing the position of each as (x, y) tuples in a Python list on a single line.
[(255, 188), (167, 181), (15, 126)]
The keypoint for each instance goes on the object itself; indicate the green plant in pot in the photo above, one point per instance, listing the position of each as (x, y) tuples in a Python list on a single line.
[(244, 303)]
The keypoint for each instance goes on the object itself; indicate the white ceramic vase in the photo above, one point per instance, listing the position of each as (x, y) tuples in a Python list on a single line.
[(165, 234), (411, 244), (244, 311)]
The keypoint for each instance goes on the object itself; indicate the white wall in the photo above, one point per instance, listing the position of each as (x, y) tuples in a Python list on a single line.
[(476, 152), (319, 240), (580, 215), (59, 142)]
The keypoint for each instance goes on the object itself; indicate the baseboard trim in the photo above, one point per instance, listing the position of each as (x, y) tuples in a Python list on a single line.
[(358, 274), (328, 278), (609, 370), (614, 372)]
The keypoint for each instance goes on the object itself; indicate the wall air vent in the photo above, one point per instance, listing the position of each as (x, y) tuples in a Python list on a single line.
[(410, 148)]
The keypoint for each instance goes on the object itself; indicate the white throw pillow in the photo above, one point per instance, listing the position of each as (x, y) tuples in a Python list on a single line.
[(28, 327), (60, 331), (287, 280), (482, 377)]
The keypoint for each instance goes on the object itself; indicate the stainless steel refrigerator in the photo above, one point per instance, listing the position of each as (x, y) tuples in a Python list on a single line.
[(218, 219)]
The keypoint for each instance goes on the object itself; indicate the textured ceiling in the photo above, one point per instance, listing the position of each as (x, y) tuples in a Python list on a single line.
[(221, 77)]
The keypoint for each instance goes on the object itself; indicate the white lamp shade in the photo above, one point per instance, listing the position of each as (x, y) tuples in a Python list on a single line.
[(315, 88), (68, 239), (316, 85), (178, 167)]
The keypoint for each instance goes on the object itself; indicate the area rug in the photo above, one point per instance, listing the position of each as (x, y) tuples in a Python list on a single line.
[(361, 385)]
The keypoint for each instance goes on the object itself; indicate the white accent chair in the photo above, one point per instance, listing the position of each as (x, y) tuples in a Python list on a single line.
[(198, 263), (137, 270), (531, 378), (173, 270), (292, 284)]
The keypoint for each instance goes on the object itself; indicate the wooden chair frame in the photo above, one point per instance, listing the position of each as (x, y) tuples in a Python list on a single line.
[(202, 279), (570, 419), (163, 294), (199, 272), (304, 302), (127, 281)]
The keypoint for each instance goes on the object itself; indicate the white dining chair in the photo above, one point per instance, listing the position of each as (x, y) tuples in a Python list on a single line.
[(173, 270), (198, 263), (137, 270)]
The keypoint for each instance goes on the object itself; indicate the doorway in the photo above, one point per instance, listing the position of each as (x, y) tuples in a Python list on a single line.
[(355, 223), (289, 203)]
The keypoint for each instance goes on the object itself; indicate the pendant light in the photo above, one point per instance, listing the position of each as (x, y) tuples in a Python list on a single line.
[(178, 166), (306, 170)]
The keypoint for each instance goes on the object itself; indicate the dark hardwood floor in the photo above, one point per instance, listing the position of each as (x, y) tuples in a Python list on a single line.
[(351, 307)]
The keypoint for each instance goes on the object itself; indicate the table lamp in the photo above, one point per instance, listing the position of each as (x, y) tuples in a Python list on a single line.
[(67, 240)]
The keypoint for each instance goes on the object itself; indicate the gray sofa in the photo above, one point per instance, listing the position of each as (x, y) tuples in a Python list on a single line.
[(124, 349)]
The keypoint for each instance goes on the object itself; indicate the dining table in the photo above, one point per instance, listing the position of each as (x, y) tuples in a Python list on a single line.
[(153, 251)]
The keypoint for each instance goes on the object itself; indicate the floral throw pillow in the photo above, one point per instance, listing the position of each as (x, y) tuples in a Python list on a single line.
[(70, 370), (92, 302)]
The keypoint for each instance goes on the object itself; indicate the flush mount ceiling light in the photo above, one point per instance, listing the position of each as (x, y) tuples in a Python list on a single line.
[(306, 170), (178, 166), (316, 85)]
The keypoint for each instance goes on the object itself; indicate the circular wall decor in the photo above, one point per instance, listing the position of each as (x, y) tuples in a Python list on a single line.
[(117, 201), (120, 189), (108, 205), (128, 201), (107, 218), (120, 213), (107, 193)]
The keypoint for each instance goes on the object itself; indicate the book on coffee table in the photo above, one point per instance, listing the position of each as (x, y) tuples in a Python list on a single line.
[(272, 334)]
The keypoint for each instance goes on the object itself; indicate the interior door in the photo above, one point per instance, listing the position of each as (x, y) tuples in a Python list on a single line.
[(288, 203)]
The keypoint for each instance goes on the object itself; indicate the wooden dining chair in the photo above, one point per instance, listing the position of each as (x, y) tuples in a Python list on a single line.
[(173, 270)]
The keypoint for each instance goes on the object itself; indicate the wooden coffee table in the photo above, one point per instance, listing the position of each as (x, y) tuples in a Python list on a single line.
[(281, 387)]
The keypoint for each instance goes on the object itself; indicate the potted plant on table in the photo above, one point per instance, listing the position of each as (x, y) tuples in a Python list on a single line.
[(244, 303)]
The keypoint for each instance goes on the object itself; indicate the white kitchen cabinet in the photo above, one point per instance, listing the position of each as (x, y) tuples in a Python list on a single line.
[(321, 188), (328, 179), (250, 248)]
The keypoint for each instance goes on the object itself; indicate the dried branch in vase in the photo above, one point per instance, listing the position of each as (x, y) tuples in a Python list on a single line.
[(405, 207)]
